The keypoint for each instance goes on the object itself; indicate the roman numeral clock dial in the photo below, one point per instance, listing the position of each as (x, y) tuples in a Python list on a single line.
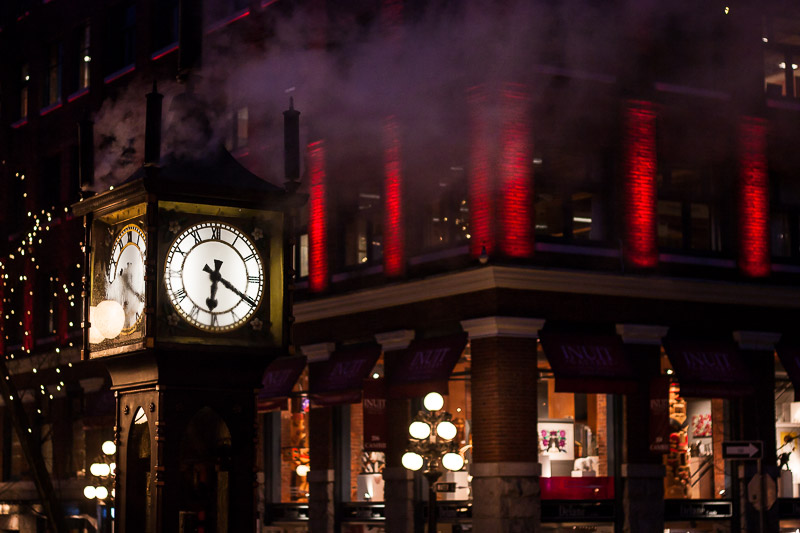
[(125, 275), (214, 276)]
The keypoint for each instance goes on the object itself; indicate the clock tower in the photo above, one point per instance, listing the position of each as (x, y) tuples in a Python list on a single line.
[(186, 296)]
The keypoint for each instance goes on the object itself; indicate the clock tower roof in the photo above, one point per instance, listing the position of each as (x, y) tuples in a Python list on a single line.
[(217, 177)]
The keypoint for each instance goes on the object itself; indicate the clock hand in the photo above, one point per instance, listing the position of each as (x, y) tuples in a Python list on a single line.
[(127, 282), (215, 277), (228, 285)]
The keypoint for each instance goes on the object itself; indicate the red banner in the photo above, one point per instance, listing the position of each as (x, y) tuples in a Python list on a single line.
[(374, 408), (339, 379), (425, 366), (708, 369)]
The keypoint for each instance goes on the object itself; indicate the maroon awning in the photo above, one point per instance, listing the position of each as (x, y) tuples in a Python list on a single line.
[(425, 366), (588, 363), (708, 368), (789, 354), (340, 379), (278, 381)]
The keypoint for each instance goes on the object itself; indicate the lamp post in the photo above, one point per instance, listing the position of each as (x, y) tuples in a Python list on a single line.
[(103, 473), (431, 446)]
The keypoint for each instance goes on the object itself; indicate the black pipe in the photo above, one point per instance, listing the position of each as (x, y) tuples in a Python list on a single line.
[(291, 144), (86, 155), (152, 127)]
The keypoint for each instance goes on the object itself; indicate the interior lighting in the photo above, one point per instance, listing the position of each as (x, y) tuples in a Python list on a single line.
[(100, 469), (446, 430), (412, 461), (302, 470), (419, 430), (101, 493), (453, 461), (109, 448), (89, 492)]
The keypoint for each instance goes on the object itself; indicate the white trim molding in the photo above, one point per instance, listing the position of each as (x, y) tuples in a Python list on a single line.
[(537, 279), (318, 352), (503, 326), (757, 340), (395, 340)]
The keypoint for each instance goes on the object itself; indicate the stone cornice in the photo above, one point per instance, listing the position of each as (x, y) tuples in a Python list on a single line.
[(537, 279), (395, 340)]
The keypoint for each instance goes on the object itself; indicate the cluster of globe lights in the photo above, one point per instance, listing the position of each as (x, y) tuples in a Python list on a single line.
[(101, 470), (432, 435)]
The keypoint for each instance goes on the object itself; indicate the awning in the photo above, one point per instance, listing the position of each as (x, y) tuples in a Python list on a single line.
[(588, 363), (339, 379), (789, 354), (708, 368), (279, 379), (425, 366)]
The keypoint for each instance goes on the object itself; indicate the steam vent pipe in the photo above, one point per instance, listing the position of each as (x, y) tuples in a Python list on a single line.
[(152, 127)]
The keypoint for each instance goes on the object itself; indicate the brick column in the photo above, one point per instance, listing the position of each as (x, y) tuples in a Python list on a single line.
[(321, 501), (758, 418), (642, 471), (505, 469), (398, 489)]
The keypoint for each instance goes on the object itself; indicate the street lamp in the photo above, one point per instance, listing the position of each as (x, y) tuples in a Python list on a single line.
[(103, 473), (431, 446)]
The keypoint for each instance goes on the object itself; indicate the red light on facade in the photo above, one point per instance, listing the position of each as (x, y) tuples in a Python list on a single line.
[(391, 18), (753, 199), (639, 190), (480, 193), (393, 236), (515, 204), (317, 220)]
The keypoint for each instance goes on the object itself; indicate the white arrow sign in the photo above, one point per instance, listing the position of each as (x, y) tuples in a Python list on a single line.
[(742, 449)]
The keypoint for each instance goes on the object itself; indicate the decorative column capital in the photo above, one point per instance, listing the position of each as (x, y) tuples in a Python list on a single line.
[(756, 340), (318, 352), (392, 341), (641, 333), (503, 326)]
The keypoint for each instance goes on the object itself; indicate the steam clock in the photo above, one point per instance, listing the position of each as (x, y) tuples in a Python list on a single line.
[(187, 304)]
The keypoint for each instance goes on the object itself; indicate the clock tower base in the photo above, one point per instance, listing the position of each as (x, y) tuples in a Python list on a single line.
[(185, 435)]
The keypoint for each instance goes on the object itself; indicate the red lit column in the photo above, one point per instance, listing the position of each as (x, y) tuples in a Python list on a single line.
[(481, 189), (753, 199), (515, 209), (317, 220), (501, 175), (639, 189), (394, 259)]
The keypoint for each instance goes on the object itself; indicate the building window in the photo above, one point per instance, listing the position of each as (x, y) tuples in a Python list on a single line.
[(52, 83), (165, 24), (239, 132), (24, 81), (83, 57), (121, 48), (363, 238)]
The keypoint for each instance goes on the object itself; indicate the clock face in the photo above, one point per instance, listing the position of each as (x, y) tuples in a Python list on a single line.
[(125, 275), (213, 276)]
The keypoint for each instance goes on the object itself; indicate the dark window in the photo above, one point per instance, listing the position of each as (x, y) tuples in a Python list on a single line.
[(50, 184), (46, 305), (82, 57), (52, 82), (24, 82), (121, 37), (74, 175), (165, 24), (216, 11)]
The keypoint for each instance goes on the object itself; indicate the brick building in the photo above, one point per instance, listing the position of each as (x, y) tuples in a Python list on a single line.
[(594, 205)]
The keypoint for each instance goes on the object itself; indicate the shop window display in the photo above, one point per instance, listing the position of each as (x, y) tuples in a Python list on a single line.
[(294, 451)]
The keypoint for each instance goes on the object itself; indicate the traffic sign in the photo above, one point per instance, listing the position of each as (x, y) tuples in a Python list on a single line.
[(742, 449)]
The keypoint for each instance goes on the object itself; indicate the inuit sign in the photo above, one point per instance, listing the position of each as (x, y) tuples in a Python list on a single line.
[(425, 366), (709, 369), (339, 379), (587, 363)]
